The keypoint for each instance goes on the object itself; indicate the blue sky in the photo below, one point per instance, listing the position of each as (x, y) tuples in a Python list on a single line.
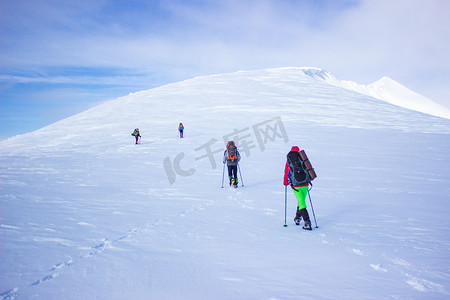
[(58, 58)]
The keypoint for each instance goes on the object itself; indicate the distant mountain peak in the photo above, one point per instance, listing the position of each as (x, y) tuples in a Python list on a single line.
[(386, 89), (386, 80)]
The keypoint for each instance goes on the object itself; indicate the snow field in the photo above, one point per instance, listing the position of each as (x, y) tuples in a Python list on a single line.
[(86, 214)]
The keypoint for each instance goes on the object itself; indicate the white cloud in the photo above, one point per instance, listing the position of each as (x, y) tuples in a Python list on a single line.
[(356, 40)]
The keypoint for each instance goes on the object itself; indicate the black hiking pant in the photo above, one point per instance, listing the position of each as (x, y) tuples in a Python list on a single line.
[(232, 173)]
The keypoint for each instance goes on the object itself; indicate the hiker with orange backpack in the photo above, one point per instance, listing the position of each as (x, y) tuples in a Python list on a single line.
[(232, 157)]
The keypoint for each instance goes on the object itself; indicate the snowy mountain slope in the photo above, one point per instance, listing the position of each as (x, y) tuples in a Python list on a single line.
[(385, 89), (86, 214)]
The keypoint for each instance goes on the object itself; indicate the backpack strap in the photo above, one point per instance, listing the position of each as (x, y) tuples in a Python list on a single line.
[(292, 186)]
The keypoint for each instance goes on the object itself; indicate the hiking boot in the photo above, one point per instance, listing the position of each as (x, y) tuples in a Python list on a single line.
[(307, 226), (305, 216), (298, 217)]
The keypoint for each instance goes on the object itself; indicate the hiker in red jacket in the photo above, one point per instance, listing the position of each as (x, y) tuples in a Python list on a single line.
[(300, 194)]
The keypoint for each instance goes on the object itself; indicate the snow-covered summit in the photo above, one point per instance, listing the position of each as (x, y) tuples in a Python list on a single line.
[(385, 89)]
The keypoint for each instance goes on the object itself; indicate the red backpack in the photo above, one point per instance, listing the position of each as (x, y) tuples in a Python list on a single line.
[(232, 155)]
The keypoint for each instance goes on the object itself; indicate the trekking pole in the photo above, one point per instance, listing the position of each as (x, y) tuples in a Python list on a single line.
[(285, 205), (223, 173), (240, 174), (312, 208)]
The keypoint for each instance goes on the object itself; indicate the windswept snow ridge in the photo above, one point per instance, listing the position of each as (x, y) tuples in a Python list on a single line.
[(385, 89), (87, 214)]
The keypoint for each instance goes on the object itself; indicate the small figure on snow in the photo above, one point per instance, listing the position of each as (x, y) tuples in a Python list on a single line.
[(300, 194), (232, 157), (136, 134), (181, 129)]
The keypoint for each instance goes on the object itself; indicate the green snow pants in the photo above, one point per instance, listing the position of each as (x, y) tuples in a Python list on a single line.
[(300, 193)]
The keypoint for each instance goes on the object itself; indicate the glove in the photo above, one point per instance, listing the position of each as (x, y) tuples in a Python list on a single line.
[(287, 180)]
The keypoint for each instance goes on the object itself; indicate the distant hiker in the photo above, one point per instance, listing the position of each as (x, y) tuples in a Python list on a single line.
[(181, 129), (232, 157), (299, 185), (136, 134)]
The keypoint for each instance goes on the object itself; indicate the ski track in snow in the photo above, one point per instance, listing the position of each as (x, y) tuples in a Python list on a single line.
[(99, 248), (382, 263), (106, 243)]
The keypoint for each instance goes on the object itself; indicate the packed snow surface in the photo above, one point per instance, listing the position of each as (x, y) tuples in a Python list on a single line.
[(87, 214)]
